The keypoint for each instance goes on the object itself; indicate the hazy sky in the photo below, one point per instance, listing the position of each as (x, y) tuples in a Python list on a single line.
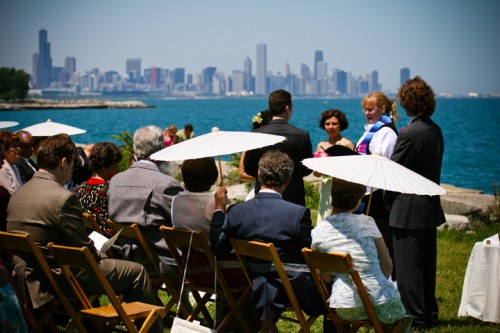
[(452, 44)]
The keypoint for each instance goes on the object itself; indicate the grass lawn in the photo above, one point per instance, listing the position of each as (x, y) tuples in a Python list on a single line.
[(454, 248)]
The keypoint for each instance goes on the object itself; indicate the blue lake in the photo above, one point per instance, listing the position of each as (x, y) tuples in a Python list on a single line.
[(470, 126)]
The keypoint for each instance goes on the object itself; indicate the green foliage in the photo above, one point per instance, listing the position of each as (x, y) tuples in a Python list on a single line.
[(126, 140), (312, 195), (14, 84), (495, 208), (234, 160)]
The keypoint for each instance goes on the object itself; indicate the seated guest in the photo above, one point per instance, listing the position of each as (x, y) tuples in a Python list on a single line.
[(143, 194), (104, 160), (9, 174), (193, 208), (359, 236), (269, 218), (26, 166), (51, 213)]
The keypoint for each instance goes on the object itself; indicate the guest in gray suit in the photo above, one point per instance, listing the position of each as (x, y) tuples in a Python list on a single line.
[(143, 194), (414, 218), (51, 213)]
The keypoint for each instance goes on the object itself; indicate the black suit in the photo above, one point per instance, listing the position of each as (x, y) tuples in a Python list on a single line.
[(298, 147), (25, 167), (414, 220)]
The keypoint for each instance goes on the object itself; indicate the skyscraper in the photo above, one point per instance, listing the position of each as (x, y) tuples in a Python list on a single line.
[(318, 57), (404, 75), (133, 69), (42, 71), (247, 74), (261, 74), (69, 67)]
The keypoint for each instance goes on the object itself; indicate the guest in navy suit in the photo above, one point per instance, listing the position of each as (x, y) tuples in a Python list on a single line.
[(269, 218), (414, 218), (297, 146)]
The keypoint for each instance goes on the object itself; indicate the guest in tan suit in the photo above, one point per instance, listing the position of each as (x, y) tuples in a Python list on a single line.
[(50, 213)]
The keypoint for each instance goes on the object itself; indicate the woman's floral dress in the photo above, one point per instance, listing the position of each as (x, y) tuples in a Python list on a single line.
[(92, 195)]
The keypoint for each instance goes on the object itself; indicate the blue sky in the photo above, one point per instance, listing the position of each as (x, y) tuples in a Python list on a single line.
[(452, 44)]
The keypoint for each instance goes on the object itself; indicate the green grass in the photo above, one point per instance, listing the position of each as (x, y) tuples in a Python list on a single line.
[(454, 248)]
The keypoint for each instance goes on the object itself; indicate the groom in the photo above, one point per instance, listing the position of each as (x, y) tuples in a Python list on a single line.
[(297, 145)]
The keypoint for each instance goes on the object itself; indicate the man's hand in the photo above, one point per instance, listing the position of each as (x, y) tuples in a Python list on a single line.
[(221, 199)]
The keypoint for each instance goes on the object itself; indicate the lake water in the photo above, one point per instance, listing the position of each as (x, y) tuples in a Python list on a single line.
[(470, 126)]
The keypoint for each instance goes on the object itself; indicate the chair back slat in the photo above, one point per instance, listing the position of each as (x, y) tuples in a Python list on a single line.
[(266, 251), (25, 243), (339, 263)]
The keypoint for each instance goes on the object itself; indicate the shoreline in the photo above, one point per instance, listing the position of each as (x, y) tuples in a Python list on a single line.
[(43, 104)]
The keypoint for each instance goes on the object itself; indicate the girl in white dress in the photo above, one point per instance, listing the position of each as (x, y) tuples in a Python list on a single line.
[(359, 236)]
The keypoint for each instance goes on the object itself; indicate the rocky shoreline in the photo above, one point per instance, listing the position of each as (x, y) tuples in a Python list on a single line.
[(38, 104), (463, 207)]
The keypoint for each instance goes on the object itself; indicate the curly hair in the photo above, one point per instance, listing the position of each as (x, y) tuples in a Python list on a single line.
[(417, 97), (10, 139), (278, 100), (346, 195), (341, 117), (275, 168), (381, 100), (104, 155)]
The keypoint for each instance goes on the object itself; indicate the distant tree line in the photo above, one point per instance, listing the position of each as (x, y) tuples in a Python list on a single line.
[(14, 84)]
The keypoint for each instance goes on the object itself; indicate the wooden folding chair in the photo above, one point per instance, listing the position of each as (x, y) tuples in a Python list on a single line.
[(208, 275), (90, 223), (266, 251), (104, 317), (133, 231), (338, 263), (24, 243)]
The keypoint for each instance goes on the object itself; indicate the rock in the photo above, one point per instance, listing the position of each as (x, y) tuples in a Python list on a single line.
[(466, 202), (456, 222)]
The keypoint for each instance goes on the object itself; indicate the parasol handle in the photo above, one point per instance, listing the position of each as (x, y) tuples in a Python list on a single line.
[(369, 202), (220, 172)]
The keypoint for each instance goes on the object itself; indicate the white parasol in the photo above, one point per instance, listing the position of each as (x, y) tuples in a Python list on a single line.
[(376, 171), (5, 124), (216, 143), (50, 128)]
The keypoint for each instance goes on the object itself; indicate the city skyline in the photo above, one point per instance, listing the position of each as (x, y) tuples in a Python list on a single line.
[(451, 44)]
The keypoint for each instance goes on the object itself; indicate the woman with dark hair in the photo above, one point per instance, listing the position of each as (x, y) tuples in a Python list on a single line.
[(192, 209), (260, 119), (10, 178), (358, 235), (104, 160), (414, 218), (333, 122)]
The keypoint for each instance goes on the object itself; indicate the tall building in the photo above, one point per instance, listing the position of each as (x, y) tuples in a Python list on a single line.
[(70, 67), (318, 57), (207, 77), (238, 81), (133, 69), (373, 84), (261, 74), (404, 75), (42, 69), (247, 74)]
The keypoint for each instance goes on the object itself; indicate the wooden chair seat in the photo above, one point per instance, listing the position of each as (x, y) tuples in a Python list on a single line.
[(339, 263), (267, 252), (235, 296), (103, 316)]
